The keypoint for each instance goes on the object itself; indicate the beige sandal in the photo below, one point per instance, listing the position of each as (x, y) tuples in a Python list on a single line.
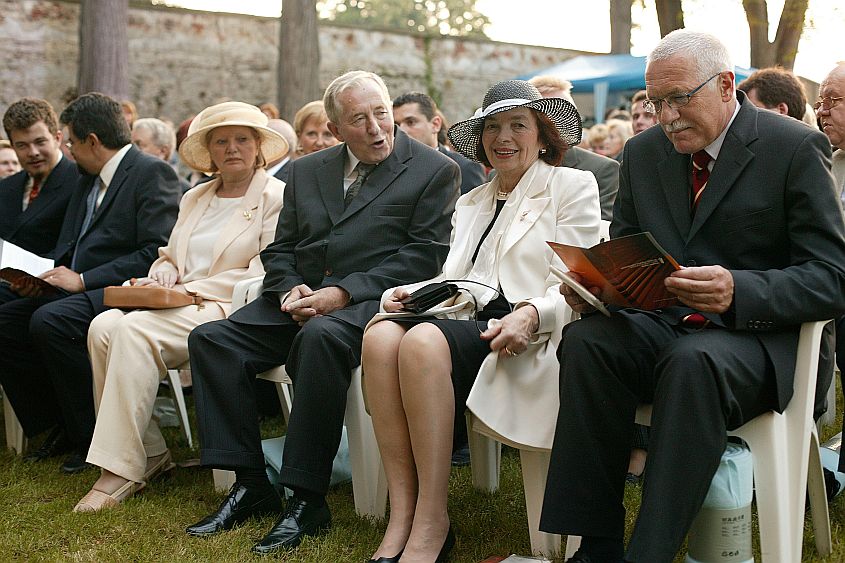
[(96, 500), (162, 466)]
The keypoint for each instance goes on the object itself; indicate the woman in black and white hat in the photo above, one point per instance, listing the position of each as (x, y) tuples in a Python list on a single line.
[(476, 351)]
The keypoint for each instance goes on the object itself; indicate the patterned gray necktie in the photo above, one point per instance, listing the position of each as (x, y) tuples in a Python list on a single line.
[(363, 171)]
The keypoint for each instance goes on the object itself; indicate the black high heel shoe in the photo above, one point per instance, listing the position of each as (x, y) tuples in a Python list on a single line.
[(394, 559), (448, 544)]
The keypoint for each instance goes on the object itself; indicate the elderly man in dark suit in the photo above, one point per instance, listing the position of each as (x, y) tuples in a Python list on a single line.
[(120, 212), (33, 201), (358, 218), (744, 200)]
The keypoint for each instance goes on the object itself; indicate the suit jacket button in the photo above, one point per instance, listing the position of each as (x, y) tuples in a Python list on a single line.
[(328, 272)]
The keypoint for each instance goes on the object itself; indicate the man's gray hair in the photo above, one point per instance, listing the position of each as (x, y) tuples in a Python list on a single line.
[(708, 53), (162, 133), (343, 83)]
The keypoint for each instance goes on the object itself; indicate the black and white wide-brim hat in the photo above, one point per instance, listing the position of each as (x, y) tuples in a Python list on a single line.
[(509, 94)]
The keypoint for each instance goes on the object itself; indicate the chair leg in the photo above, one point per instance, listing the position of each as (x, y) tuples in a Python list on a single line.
[(369, 483), (223, 480), (572, 545), (179, 398), (15, 437), (818, 499), (774, 490), (485, 455), (535, 469)]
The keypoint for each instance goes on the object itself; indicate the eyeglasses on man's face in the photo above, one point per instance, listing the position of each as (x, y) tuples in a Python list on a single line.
[(655, 105), (827, 103)]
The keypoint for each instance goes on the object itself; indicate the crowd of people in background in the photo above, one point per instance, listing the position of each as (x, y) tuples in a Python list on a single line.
[(362, 199)]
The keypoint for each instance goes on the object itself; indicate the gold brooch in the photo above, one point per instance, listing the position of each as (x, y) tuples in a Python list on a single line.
[(248, 214)]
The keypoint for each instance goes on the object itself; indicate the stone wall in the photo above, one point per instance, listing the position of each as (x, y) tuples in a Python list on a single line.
[(182, 60)]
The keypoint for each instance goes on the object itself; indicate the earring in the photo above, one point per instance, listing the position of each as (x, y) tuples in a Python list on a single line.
[(542, 151)]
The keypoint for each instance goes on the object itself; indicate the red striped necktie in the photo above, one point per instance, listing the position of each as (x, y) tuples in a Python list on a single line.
[(700, 175)]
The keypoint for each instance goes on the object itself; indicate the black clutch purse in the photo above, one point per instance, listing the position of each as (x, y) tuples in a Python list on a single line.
[(428, 296)]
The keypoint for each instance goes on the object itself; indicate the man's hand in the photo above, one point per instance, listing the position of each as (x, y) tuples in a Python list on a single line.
[(511, 335), (64, 278), (307, 304), (578, 304), (709, 289)]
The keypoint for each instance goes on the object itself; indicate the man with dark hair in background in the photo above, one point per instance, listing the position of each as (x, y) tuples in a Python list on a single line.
[(121, 211), (33, 201), (417, 115), (776, 89)]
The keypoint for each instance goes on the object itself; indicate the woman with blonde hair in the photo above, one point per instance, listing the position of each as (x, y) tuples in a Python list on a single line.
[(311, 126), (222, 227)]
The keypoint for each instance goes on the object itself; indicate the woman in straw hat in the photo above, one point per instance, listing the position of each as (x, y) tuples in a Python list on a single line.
[(493, 344), (222, 227)]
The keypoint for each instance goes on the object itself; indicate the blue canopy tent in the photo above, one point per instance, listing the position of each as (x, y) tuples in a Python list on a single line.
[(603, 74)]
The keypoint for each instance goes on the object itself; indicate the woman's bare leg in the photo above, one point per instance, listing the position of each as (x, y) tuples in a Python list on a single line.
[(381, 372), (425, 368)]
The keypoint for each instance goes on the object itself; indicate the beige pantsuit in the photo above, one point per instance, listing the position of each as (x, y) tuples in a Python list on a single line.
[(131, 351)]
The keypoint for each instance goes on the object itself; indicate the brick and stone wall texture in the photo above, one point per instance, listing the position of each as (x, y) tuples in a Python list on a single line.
[(181, 61)]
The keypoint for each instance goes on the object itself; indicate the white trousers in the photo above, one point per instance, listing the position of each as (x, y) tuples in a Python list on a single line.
[(130, 354)]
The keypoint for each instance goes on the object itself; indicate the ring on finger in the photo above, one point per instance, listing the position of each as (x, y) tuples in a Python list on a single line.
[(510, 352)]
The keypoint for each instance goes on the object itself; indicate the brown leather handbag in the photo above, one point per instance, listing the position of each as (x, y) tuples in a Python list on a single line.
[(145, 297)]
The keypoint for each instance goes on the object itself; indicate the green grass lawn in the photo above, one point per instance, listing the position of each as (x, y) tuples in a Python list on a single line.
[(36, 522)]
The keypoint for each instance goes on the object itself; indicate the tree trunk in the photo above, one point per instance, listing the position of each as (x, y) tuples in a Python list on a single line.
[(104, 48), (620, 26), (782, 51), (670, 16), (299, 57)]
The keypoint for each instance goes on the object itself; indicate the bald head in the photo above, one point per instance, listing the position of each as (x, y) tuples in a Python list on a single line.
[(284, 129)]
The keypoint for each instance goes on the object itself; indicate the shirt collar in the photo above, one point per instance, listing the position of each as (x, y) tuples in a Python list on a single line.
[(713, 148), (272, 171), (110, 167), (351, 162)]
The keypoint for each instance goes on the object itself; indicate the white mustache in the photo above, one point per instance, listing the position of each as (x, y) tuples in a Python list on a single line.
[(676, 126)]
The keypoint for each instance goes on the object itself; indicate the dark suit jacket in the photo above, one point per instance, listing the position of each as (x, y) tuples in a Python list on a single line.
[(37, 228), (472, 173), (395, 231), (606, 171), (133, 220), (769, 215)]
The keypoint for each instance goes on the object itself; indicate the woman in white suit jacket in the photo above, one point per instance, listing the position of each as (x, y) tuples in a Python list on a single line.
[(417, 371), (222, 227)]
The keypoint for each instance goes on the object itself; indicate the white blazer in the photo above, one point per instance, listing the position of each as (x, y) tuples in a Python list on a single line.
[(518, 397)]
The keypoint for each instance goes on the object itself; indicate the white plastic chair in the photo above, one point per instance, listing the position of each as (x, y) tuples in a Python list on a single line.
[(785, 449), (15, 438), (369, 484)]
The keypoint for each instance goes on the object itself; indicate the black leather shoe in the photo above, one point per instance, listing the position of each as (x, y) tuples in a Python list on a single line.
[(56, 443), (394, 559), (239, 505), (579, 557), (300, 519), (448, 544), (75, 463)]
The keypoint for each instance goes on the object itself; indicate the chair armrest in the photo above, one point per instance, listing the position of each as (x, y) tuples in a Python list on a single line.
[(245, 291)]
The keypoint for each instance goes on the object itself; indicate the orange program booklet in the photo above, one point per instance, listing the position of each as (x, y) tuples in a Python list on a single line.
[(629, 271)]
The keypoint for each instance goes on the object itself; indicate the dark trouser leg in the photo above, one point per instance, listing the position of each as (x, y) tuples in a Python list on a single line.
[(22, 373), (225, 358), (321, 360), (60, 332), (604, 363), (707, 382)]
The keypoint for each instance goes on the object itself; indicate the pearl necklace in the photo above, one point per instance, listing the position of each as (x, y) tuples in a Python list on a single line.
[(502, 195)]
